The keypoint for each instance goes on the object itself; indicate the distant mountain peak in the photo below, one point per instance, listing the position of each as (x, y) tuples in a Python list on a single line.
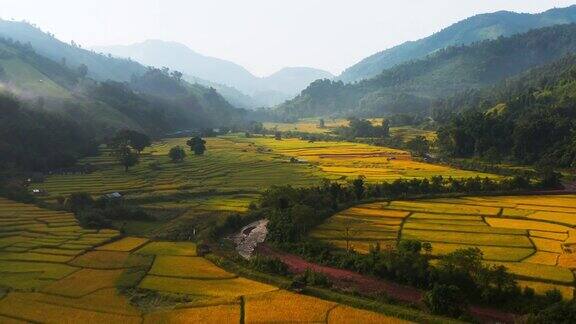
[(472, 29), (270, 90)]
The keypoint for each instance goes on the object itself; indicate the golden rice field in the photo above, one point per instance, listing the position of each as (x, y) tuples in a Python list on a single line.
[(533, 236), (345, 160), (312, 126), (234, 171), (53, 271)]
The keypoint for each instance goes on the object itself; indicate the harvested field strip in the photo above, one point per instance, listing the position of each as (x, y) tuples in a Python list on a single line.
[(355, 234), (526, 224), (465, 238), (541, 257), (560, 218), (451, 217), (547, 245), (447, 227), (443, 208), (549, 235)]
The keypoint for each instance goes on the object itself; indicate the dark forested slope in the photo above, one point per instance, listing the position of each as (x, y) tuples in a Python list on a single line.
[(473, 29), (528, 119), (413, 86)]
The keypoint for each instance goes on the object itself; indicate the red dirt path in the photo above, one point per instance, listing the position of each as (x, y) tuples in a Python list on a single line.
[(349, 280)]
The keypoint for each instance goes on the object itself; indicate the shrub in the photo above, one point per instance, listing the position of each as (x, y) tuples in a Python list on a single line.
[(312, 278), (269, 265), (93, 218), (445, 300)]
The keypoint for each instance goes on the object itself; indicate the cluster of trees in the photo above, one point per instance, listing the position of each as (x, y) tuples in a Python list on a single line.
[(99, 213), (128, 145), (531, 120), (358, 127)]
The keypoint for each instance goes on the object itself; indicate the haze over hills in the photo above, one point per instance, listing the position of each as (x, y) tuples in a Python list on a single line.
[(266, 91), (412, 87), (473, 29)]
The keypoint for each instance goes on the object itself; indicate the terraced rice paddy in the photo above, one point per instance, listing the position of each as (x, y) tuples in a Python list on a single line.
[(228, 177), (533, 236), (344, 160), (312, 126), (56, 272)]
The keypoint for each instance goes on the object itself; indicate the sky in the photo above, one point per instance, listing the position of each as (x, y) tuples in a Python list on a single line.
[(261, 35)]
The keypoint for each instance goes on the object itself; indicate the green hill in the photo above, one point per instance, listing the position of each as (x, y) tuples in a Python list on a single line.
[(528, 119), (474, 29), (412, 87)]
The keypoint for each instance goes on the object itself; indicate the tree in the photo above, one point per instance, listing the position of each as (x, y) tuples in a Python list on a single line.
[(321, 123), (177, 75), (445, 299), (277, 136), (135, 139), (358, 185), (126, 156), (197, 145), (419, 145), (177, 154), (385, 128), (83, 70)]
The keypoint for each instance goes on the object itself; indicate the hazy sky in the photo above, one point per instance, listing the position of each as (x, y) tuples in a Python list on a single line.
[(261, 35)]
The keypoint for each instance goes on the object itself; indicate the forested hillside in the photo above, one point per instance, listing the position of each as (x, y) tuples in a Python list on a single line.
[(412, 87), (529, 119), (52, 114), (473, 29)]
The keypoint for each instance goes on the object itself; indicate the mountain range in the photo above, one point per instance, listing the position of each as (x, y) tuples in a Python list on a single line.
[(102, 93), (488, 26), (263, 91), (412, 87)]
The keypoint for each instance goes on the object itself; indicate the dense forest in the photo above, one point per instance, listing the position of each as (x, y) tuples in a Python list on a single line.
[(473, 29), (529, 119), (51, 113), (413, 86)]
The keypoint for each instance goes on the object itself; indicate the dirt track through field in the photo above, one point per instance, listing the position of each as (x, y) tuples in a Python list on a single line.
[(353, 281)]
